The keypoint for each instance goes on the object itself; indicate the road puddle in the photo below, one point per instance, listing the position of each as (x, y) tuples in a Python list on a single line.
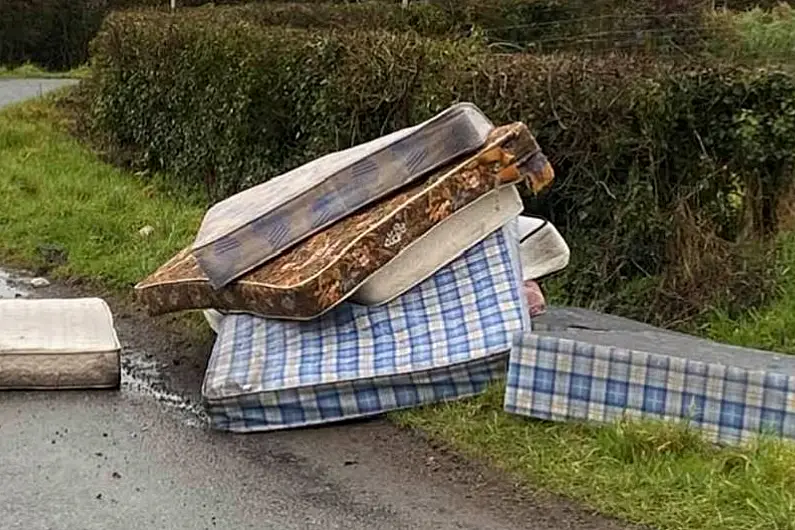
[(11, 286), (140, 374)]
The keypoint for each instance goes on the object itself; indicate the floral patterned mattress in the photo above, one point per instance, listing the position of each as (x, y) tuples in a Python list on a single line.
[(323, 271), (260, 223)]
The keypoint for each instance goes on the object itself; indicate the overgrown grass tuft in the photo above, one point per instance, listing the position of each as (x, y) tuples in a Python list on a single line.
[(770, 327), (29, 70), (758, 35)]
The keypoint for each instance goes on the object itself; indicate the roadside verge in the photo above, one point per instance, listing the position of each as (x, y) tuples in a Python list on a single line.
[(70, 215)]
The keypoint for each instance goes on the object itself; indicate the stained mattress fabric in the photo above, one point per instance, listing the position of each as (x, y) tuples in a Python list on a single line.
[(440, 245), (446, 338), (542, 251), (248, 229), (323, 271), (58, 344)]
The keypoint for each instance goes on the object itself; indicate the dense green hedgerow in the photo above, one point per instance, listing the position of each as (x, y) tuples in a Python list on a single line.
[(55, 33), (541, 25), (662, 167)]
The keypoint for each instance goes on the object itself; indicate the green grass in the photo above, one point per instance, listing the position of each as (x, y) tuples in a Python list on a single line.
[(55, 191), (30, 70), (772, 327), (758, 35), (658, 474)]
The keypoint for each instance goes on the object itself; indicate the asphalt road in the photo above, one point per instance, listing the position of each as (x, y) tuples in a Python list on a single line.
[(143, 457), (16, 90)]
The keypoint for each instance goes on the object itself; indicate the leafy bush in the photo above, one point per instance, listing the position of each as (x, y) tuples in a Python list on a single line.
[(758, 35), (746, 5), (424, 18), (50, 33), (664, 168), (55, 33), (541, 25), (552, 25)]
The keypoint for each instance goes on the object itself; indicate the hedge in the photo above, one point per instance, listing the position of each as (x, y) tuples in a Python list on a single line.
[(540, 24), (55, 33), (663, 167)]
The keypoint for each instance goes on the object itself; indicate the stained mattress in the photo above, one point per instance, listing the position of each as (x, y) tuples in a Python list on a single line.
[(58, 344), (246, 230), (731, 394), (445, 339), (542, 249), (323, 271), (440, 245)]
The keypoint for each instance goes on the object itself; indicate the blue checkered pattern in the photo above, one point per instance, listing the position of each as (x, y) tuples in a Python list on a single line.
[(562, 379), (444, 339)]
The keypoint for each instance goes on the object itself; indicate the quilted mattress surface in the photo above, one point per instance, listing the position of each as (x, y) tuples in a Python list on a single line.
[(62, 343), (247, 229), (444, 339), (601, 373), (440, 245), (323, 271)]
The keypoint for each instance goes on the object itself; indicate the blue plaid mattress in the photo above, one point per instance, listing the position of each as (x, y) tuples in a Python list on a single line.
[(731, 394), (446, 338)]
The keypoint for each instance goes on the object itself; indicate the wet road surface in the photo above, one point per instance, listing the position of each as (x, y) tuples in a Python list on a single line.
[(143, 457)]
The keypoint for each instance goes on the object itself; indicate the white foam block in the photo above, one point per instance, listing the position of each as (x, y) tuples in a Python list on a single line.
[(543, 250), (58, 344)]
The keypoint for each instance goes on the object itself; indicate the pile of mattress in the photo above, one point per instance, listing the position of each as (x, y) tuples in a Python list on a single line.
[(401, 272), (446, 338), (385, 276)]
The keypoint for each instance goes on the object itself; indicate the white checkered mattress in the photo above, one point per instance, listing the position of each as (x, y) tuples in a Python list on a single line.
[(446, 338)]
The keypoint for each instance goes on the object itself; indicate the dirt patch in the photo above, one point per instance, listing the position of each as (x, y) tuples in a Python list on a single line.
[(369, 459)]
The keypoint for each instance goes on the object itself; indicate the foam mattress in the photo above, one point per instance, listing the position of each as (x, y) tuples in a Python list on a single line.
[(446, 338), (325, 270), (58, 344), (248, 229)]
